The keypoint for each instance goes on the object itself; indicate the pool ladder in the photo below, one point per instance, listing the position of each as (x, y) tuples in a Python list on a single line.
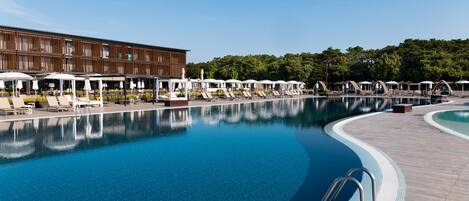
[(337, 185)]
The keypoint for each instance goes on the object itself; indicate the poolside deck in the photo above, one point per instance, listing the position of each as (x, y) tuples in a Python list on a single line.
[(111, 107), (435, 164)]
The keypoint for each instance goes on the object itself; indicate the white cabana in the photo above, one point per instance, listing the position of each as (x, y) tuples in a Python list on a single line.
[(175, 88), (392, 83), (249, 84), (428, 84), (206, 84), (462, 83), (14, 76), (365, 85), (234, 84), (266, 84), (281, 85), (61, 77), (87, 87), (292, 84)]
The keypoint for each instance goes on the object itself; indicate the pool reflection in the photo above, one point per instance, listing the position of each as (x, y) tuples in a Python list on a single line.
[(40, 137)]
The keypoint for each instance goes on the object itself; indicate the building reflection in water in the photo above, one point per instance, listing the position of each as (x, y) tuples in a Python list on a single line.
[(39, 137)]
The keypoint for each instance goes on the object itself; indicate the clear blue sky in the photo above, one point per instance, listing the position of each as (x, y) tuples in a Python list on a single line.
[(212, 28)]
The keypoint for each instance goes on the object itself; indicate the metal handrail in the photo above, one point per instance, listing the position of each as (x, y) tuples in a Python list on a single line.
[(350, 173), (343, 180)]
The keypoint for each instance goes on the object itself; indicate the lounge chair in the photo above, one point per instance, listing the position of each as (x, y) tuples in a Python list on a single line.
[(205, 97), (227, 95), (246, 95), (5, 106), (63, 102), (19, 106), (209, 95), (260, 94), (52, 104), (233, 95)]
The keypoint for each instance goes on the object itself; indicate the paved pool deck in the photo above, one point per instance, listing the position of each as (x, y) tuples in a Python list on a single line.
[(435, 164), (111, 107)]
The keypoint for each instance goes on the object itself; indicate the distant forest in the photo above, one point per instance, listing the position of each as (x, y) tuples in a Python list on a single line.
[(413, 60)]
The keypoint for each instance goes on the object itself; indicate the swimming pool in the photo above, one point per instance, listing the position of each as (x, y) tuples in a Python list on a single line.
[(455, 120), (272, 150)]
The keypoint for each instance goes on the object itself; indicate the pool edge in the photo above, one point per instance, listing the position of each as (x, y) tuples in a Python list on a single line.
[(428, 118), (393, 184)]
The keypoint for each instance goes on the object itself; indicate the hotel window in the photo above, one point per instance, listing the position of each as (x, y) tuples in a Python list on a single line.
[(160, 59), (147, 57), (23, 44), (106, 67), (45, 45), (147, 71), (69, 66), (68, 47), (105, 52), (88, 66), (129, 56), (135, 70), (46, 65), (25, 62), (120, 68), (3, 42), (87, 50), (119, 55), (160, 71), (3, 62)]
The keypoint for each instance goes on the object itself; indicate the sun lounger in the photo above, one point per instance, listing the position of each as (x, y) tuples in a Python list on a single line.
[(52, 104), (233, 95), (63, 102), (5, 106), (227, 95), (20, 107), (206, 97)]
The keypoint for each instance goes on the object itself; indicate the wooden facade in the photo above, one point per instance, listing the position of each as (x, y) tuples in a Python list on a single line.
[(32, 51)]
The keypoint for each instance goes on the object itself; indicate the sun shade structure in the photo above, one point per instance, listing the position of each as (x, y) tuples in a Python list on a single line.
[(15, 76), (392, 83), (175, 87), (462, 83)]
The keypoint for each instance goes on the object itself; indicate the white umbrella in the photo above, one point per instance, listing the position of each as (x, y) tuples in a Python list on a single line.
[(87, 86), (132, 84), (462, 82), (19, 84), (35, 85), (201, 74), (183, 74), (142, 85), (2, 84), (121, 84), (15, 76)]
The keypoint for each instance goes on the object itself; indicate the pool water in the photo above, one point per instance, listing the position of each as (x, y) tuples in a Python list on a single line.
[(273, 150), (456, 120)]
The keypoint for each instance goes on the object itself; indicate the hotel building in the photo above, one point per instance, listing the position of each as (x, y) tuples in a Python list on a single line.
[(36, 52)]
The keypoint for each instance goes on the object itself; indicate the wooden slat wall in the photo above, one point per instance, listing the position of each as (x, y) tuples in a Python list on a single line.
[(144, 61)]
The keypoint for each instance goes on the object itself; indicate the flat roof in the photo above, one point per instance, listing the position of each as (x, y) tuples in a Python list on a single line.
[(92, 38)]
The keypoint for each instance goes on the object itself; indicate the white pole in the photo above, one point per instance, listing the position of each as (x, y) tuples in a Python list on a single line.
[(100, 86), (74, 91), (61, 87)]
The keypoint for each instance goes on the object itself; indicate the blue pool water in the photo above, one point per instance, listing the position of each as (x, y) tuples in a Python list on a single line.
[(273, 150), (457, 120)]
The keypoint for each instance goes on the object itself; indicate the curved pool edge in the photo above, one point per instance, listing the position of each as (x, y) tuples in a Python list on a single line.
[(392, 186), (428, 118)]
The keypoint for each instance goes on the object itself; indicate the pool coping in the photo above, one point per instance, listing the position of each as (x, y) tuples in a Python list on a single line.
[(428, 117), (393, 179)]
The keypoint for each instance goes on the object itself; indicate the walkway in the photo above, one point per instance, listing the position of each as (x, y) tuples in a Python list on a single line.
[(435, 164)]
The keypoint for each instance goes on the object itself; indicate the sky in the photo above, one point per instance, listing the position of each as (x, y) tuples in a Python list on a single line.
[(214, 28)]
